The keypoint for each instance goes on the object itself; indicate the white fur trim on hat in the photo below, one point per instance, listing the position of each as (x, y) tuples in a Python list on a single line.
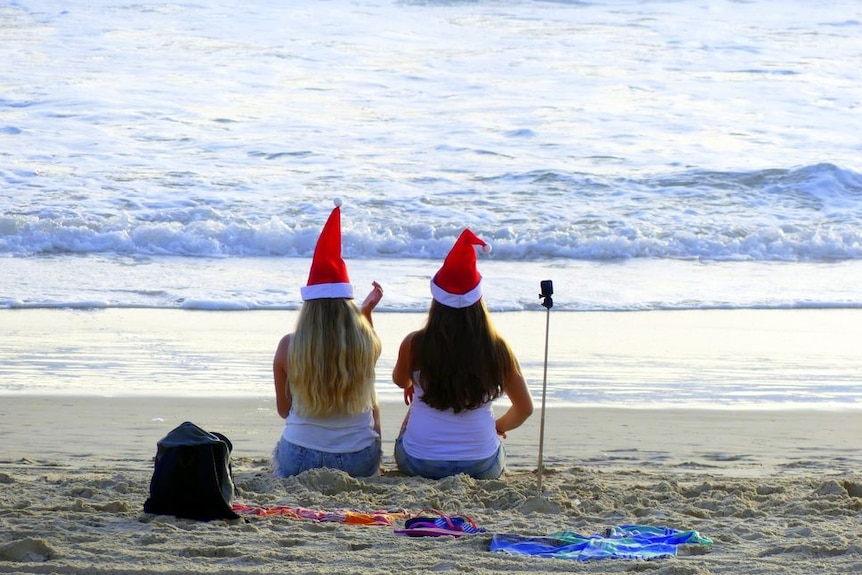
[(458, 301), (327, 291)]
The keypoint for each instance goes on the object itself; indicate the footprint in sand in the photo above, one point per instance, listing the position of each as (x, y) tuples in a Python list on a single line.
[(29, 550)]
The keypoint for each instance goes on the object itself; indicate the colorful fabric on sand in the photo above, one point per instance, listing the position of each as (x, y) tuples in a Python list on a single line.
[(347, 516), (439, 526), (620, 542)]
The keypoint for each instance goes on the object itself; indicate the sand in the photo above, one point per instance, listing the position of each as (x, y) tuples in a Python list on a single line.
[(775, 499), (779, 492)]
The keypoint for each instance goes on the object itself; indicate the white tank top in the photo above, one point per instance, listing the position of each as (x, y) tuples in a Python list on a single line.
[(331, 434), (443, 435)]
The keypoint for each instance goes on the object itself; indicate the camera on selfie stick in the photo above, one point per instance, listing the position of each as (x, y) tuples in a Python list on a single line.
[(546, 287)]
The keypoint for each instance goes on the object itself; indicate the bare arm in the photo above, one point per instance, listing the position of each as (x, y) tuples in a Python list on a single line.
[(522, 404), (375, 413), (371, 300), (283, 397), (402, 373)]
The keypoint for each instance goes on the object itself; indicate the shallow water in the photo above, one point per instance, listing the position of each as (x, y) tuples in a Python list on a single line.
[(721, 359)]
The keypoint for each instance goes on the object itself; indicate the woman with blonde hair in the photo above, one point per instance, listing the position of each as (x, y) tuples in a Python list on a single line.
[(324, 372), (451, 372)]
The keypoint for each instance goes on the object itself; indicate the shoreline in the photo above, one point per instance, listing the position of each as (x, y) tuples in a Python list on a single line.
[(83, 430), (656, 359)]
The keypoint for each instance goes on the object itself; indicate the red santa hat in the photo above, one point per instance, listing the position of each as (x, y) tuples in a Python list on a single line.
[(328, 275), (458, 283)]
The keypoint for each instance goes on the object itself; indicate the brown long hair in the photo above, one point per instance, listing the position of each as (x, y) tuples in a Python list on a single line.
[(332, 354), (462, 361)]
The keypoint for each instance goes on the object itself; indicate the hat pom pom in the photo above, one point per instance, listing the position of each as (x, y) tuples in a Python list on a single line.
[(486, 248), (337, 202)]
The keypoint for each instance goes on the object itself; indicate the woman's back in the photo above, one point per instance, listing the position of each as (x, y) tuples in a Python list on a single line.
[(443, 434)]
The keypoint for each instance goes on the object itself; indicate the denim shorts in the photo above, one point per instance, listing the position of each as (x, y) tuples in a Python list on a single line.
[(490, 468), (291, 459)]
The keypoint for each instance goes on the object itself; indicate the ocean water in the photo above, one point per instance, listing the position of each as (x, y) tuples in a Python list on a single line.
[(643, 155)]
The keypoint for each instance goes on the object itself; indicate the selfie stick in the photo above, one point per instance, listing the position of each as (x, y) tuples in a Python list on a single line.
[(547, 302)]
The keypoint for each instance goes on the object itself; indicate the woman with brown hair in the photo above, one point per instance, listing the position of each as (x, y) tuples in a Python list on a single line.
[(451, 372)]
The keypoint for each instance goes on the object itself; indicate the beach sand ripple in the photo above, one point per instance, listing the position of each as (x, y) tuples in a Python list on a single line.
[(59, 519)]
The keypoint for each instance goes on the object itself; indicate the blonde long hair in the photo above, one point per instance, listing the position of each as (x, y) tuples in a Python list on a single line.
[(332, 356)]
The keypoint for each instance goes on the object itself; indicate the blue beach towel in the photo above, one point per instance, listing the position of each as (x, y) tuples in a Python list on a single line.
[(620, 542)]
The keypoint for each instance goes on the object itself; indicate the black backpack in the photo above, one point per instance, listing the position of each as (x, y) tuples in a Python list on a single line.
[(192, 478)]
